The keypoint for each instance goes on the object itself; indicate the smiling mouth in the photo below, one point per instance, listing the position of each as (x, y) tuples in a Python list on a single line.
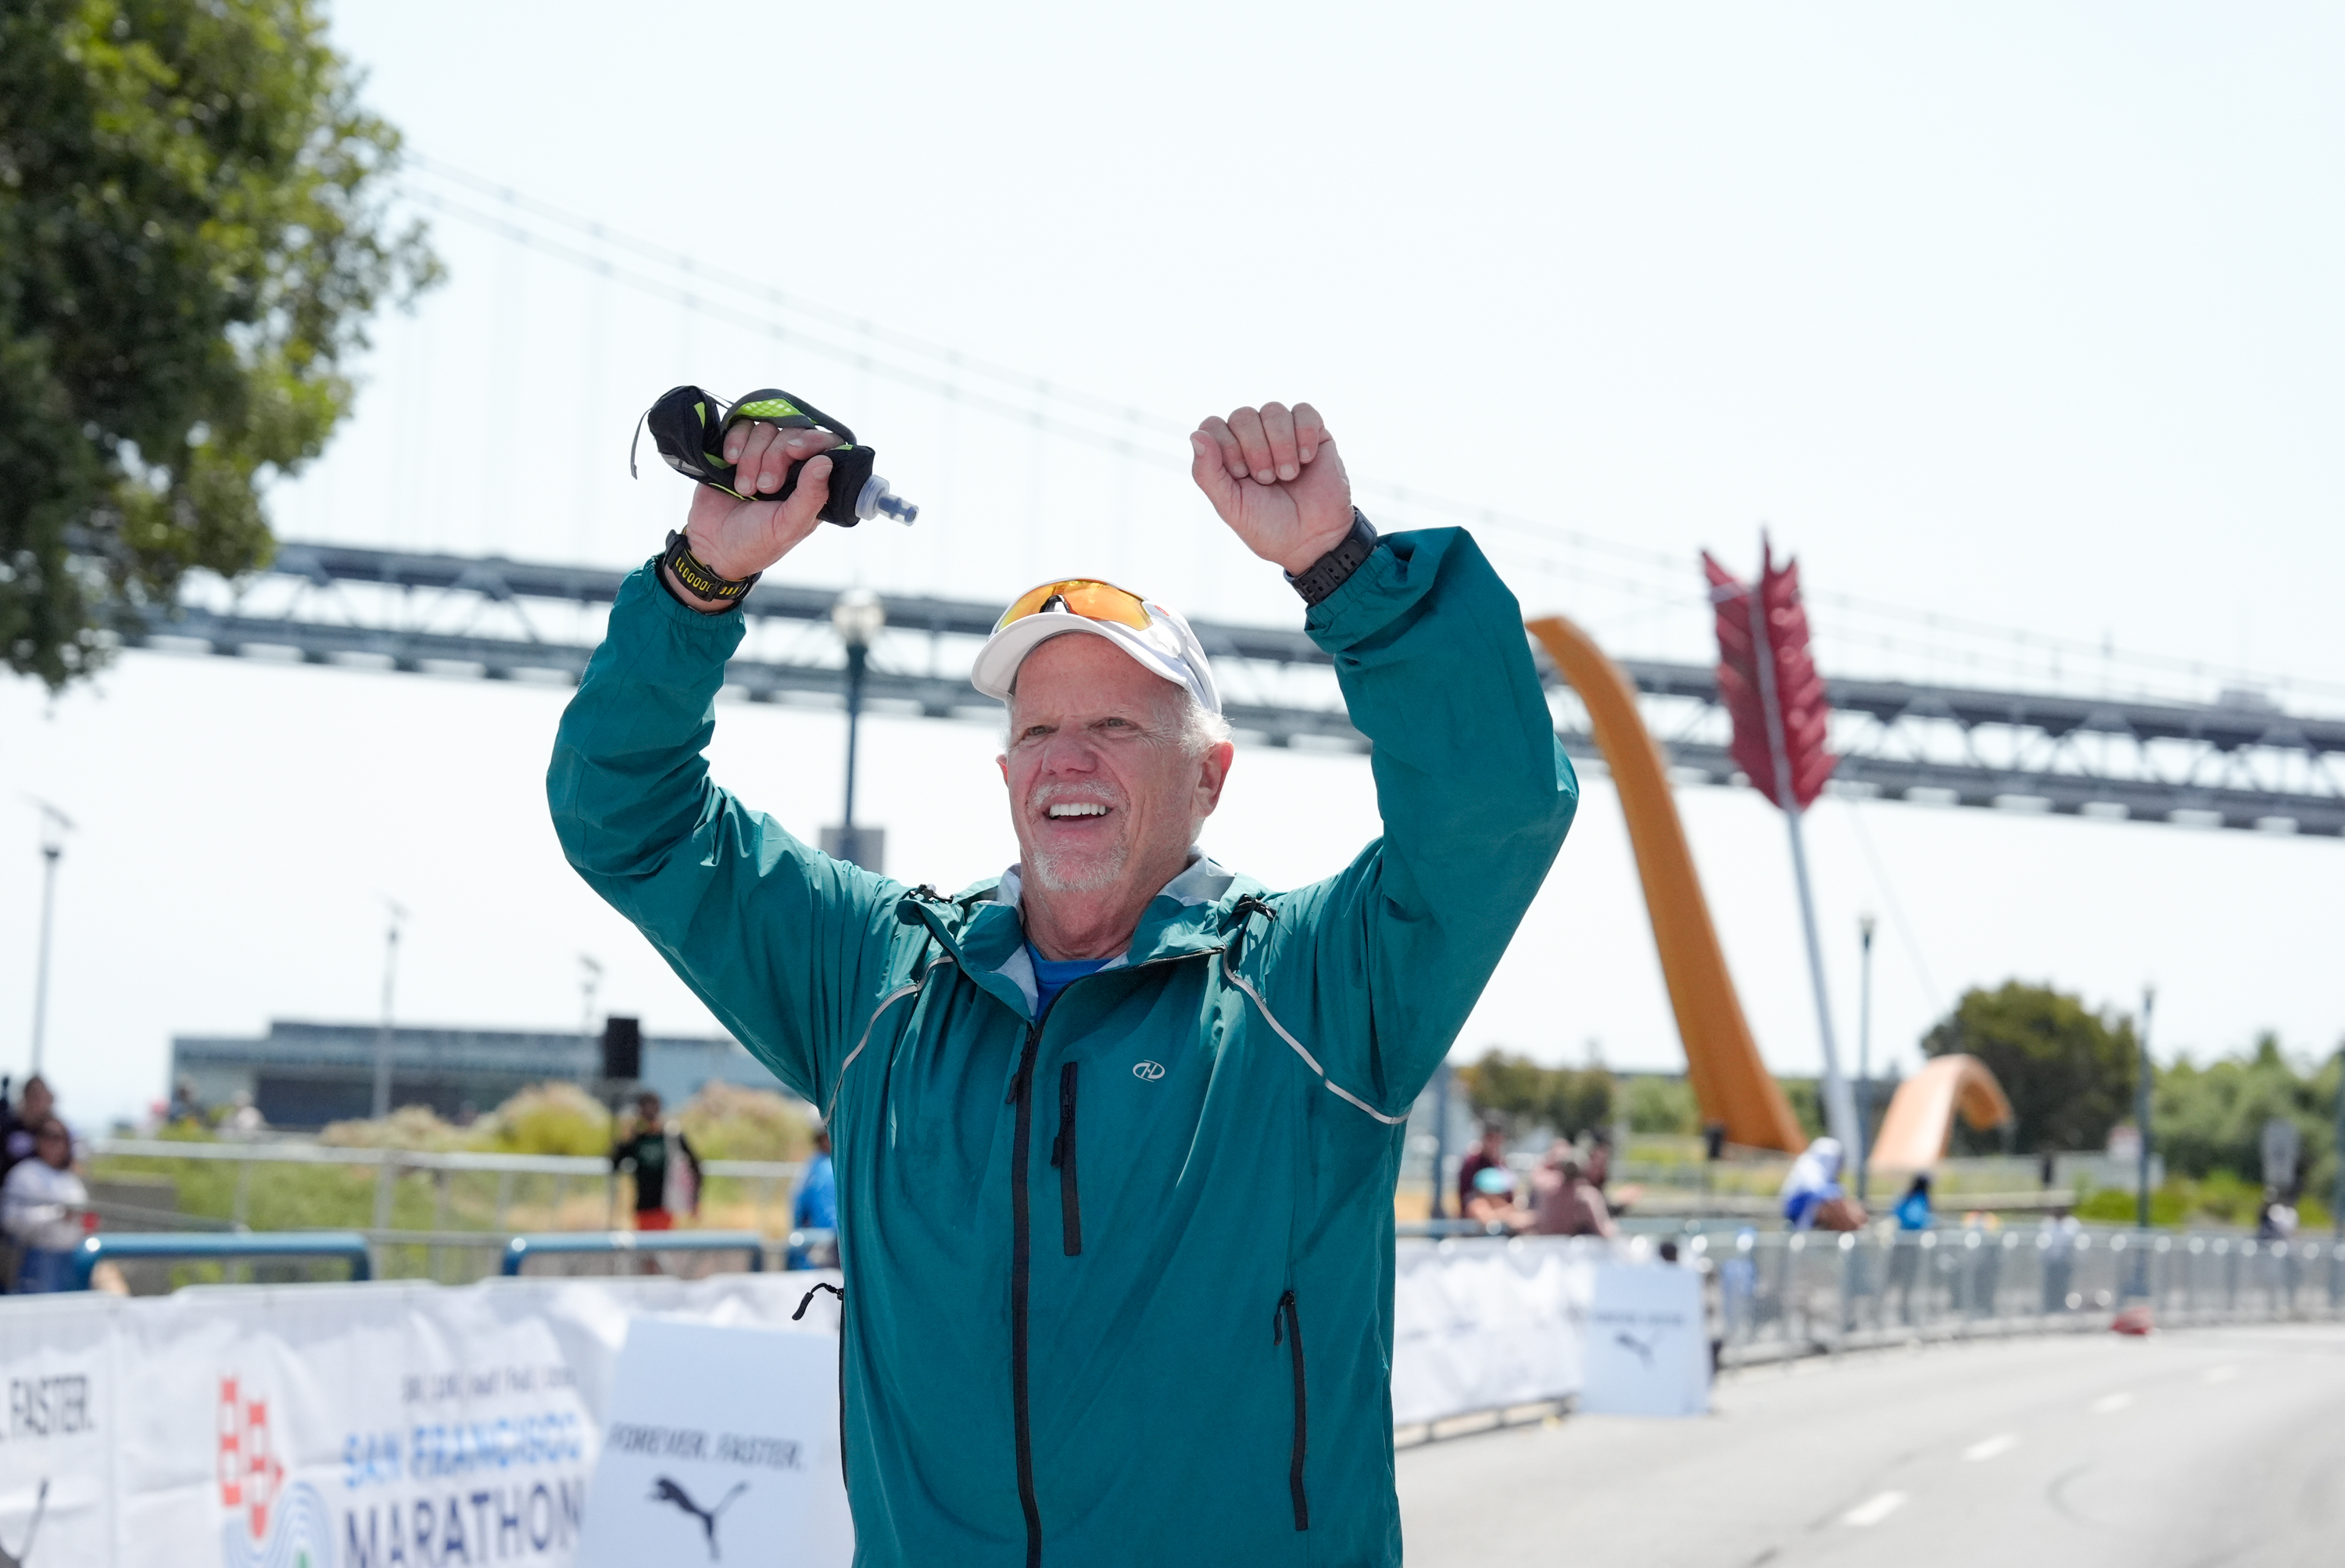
[(1068, 810)]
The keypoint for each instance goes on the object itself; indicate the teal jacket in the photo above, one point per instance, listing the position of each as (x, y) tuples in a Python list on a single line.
[(1120, 1281)]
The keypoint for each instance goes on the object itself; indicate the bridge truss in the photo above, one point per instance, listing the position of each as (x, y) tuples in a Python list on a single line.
[(2238, 764)]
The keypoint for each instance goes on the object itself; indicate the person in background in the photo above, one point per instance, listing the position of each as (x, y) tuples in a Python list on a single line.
[(1914, 1209), (1492, 1202), (1812, 1182), (1569, 1203), (42, 1206), (186, 1108), (816, 1207), (1491, 1151), (18, 1124), (1912, 1213), (2275, 1218), (667, 1172), (2059, 1245)]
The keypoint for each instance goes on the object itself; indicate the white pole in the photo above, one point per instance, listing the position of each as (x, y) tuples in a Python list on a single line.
[(382, 1039), (54, 825), (1840, 1106), (1864, 1056)]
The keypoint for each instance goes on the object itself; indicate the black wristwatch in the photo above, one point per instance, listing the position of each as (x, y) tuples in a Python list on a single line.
[(693, 573), (1334, 569)]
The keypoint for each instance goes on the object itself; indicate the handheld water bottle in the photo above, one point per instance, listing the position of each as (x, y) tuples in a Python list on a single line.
[(688, 426)]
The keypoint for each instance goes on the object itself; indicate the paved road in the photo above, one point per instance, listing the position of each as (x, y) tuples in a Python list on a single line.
[(2214, 1446)]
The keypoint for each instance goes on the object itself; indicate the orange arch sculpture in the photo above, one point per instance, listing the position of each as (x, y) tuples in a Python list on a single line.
[(1920, 1120), (1730, 1082)]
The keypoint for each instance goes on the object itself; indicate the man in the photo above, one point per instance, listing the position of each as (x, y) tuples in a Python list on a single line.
[(667, 1171), (1569, 1201), (815, 1207), (1488, 1155), (34, 1105), (1116, 1133), (42, 1202)]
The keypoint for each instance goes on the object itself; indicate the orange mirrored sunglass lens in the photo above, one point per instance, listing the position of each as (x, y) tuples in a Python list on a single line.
[(1086, 596)]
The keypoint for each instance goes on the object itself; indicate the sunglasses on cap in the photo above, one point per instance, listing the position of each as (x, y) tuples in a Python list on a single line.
[(1085, 596)]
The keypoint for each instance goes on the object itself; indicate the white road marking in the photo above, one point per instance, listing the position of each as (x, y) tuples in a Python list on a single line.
[(1988, 1448), (2218, 1374), (1873, 1509), (2110, 1404)]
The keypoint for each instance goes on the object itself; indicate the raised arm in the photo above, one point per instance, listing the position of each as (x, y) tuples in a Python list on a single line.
[(784, 944), (1377, 968)]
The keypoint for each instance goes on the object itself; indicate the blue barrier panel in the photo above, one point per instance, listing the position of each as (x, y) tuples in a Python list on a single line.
[(522, 1248), (216, 1245)]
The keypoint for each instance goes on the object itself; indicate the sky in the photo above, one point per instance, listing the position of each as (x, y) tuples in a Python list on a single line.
[(2018, 317)]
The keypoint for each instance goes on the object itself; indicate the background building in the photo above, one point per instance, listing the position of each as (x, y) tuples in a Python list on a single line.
[(305, 1075)]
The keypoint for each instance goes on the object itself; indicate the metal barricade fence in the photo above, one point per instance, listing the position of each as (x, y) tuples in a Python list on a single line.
[(437, 1215), (1776, 1294)]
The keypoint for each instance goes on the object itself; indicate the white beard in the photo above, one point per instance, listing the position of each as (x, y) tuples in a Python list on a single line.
[(1063, 873)]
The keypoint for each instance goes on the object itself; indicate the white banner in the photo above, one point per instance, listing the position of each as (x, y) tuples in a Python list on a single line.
[(718, 1435), (1481, 1325), (362, 1426), (408, 1426), (1647, 1351)]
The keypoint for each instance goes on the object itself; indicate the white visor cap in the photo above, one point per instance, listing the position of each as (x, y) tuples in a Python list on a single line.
[(1166, 648)]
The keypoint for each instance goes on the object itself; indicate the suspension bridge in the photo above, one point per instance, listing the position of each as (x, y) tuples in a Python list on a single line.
[(2015, 726), (2240, 763)]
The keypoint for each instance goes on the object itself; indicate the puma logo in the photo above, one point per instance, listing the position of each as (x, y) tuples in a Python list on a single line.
[(40, 1506), (667, 1491)]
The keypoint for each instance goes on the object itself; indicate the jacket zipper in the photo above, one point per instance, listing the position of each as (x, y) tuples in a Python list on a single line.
[(1062, 1159), (1286, 1324), (1021, 1258), (1021, 1094)]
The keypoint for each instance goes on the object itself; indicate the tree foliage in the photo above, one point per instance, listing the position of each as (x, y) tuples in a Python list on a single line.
[(2068, 1071), (192, 235), (1658, 1104), (2210, 1119), (1568, 1101)]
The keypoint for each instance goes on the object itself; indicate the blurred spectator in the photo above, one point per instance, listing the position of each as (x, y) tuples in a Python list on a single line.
[(185, 1108), (1812, 1182), (1490, 1153), (35, 1105), (2276, 1219), (1914, 1209), (667, 1172), (2060, 1232), (1600, 1173), (1492, 1202), (244, 1119), (1569, 1203), (42, 1205), (816, 1207)]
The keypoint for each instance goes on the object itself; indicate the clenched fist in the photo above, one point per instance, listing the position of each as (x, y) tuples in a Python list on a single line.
[(1272, 474)]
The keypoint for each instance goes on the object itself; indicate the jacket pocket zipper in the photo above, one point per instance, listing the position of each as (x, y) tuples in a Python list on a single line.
[(1286, 1325), (1062, 1160)]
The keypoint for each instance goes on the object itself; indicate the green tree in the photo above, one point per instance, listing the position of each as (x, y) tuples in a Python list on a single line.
[(2068, 1071), (192, 235), (1565, 1100), (1658, 1104), (2211, 1119)]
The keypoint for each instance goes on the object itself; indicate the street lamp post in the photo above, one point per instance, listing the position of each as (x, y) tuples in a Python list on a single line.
[(2141, 1111), (858, 618), (55, 826), (382, 1036), (1865, 925)]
